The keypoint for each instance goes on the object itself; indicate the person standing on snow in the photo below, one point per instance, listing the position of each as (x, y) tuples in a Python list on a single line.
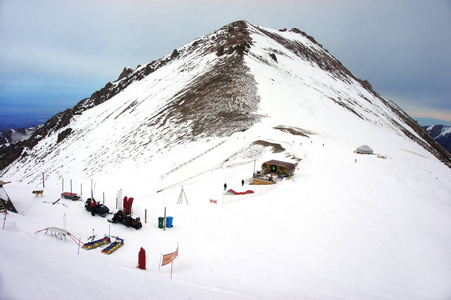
[(93, 207), (242, 182)]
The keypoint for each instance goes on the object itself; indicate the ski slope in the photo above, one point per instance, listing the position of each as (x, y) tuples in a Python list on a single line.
[(338, 229)]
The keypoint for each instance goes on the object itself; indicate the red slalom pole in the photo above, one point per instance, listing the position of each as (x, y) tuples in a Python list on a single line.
[(172, 264)]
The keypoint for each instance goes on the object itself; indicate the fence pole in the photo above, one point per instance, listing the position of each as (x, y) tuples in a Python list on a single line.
[(164, 220)]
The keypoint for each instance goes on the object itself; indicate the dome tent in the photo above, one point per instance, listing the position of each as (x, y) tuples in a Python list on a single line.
[(364, 149)]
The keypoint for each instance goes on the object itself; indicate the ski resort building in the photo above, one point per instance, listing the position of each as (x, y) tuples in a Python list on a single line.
[(278, 167), (271, 170)]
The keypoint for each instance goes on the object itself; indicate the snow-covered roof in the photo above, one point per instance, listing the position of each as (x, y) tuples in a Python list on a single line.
[(364, 148)]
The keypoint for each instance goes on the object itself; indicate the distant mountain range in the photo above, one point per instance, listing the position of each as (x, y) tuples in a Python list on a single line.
[(442, 134), (11, 136)]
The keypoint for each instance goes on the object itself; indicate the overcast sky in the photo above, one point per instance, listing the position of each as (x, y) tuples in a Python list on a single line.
[(53, 53)]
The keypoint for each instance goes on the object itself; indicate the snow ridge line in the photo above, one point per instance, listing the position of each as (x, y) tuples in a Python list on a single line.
[(192, 159)]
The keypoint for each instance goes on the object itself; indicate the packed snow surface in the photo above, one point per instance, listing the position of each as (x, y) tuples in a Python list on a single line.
[(337, 229), (344, 226)]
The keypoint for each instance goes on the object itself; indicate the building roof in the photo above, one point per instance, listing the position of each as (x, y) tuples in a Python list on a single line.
[(364, 149)]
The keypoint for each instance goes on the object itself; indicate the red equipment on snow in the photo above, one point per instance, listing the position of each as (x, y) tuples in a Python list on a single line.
[(124, 203), (142, 259), (128, 206)]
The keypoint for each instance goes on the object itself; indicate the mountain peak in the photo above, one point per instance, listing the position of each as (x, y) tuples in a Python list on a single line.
[(235, 79)]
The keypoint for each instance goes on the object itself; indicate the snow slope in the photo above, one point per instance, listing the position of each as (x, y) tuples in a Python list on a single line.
[(345, 226), (338, 229)]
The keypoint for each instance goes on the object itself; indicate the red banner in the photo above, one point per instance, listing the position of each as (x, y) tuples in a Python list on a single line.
[(168, 258)]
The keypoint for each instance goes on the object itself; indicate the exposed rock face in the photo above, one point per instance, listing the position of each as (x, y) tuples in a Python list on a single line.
[(125, 73)]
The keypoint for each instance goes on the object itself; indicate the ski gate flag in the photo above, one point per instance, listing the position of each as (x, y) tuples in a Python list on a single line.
[(168, 258)]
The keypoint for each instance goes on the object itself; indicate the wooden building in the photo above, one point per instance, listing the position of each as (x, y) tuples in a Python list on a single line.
[(278, 167)]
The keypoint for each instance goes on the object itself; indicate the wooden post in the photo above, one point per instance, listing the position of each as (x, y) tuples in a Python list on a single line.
[(164, 220), (254, 167), (4, 220), (145, 216), (43, 180), (71, 185)]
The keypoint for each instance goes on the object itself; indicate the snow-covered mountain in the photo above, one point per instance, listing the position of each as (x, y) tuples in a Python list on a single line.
[(11, 142), (344, 226), (442, 134), (219, 84), (11, 136)]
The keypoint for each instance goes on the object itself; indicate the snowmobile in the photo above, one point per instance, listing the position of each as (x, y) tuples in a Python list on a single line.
[(121, 217), (99, 209)]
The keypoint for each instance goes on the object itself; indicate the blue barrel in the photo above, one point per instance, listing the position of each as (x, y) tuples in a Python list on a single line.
[(169, 222)]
